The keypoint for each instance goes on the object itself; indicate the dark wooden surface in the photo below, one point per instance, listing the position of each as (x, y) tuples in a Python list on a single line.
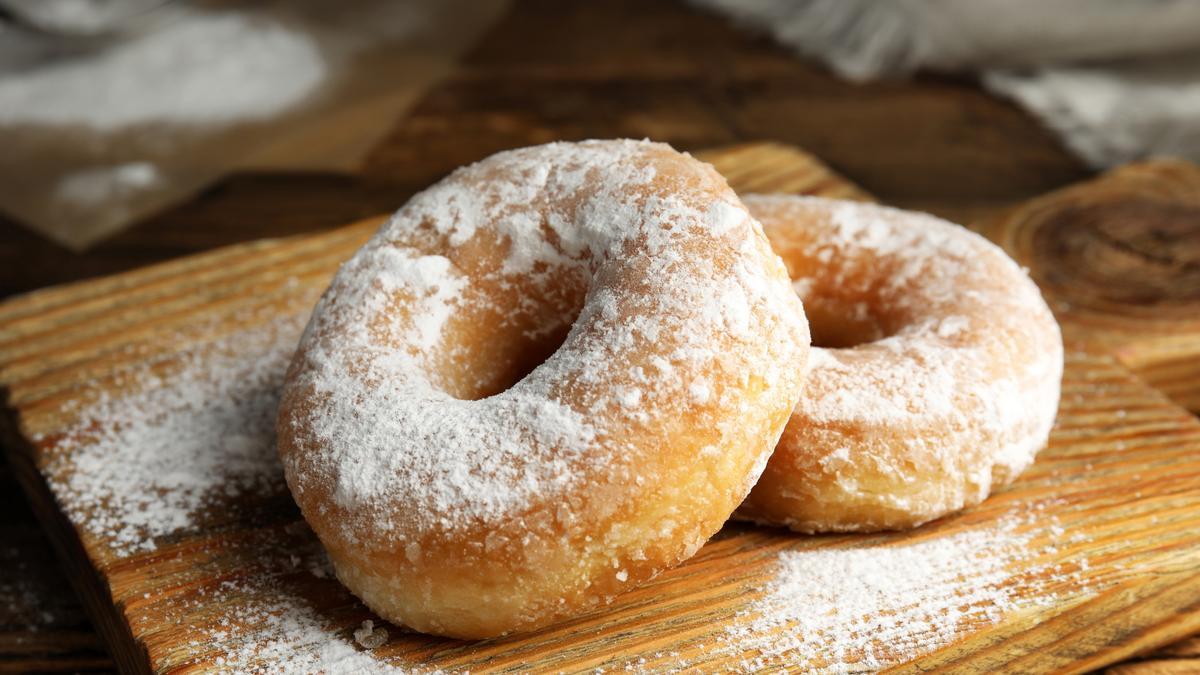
[(42, 626), (574, 70), (549, 71)]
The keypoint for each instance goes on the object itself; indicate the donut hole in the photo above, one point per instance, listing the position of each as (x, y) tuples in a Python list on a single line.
[(522, 360), (841, 322), (489, 350), (500, 356), (832, 329)]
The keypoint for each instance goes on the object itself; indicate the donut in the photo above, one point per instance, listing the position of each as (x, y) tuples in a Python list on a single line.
[(934, 375), (548, 377)]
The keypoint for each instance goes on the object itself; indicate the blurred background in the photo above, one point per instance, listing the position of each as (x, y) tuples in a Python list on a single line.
[(135, 131)]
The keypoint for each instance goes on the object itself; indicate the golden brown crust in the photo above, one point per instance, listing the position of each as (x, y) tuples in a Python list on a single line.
[(461, 493), (934, 376)]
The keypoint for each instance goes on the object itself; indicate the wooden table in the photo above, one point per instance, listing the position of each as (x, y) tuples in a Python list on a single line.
[(563, 71)]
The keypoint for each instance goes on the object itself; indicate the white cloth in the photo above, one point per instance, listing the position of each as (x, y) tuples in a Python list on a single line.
[(1116, 79), (1115, 113)]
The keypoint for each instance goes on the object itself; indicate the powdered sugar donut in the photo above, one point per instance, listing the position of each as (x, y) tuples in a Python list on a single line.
[(934, 376), (548, 377)]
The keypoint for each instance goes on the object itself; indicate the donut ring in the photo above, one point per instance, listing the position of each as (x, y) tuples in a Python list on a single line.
[(550, 376), (934, 376)]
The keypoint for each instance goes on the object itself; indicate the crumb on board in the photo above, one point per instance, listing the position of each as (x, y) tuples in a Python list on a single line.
[(368, 636)]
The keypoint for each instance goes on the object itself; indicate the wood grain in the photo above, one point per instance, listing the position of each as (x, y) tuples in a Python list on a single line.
[(1122, 476), (1119, 259), (1179, 657), (560, 70)]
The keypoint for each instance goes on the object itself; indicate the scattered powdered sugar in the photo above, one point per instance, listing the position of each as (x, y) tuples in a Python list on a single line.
[(146, 463), (185, 438), (864, 607), (273, 630)]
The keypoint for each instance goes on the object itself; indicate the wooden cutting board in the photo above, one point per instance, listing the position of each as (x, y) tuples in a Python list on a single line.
[(1119, 259), (112, 401)]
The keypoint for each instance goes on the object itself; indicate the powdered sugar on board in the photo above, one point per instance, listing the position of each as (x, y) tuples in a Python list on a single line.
[(849, 605), (269, 617), (280, 632), (862, 606), (145, 464), (136, 469)]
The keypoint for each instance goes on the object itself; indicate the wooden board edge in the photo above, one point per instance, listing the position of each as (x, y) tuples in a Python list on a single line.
[(51, 296), (86, 581), (132, 656), (94, 591)]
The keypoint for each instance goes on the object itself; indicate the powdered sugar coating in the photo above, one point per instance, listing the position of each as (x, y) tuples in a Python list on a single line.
[(947, 384), (412, 420)]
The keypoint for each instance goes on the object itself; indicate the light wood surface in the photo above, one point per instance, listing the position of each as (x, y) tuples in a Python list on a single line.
[(1122, 475), (554, 70), (1119, 256)]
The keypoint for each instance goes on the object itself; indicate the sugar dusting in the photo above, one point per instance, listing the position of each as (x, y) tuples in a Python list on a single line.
[(954, 398), (845, 609), (149, 463), (146, 463), (279, 632), (957, 302), (191, 436), (384, 404), (265, 623), (863, 607)]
